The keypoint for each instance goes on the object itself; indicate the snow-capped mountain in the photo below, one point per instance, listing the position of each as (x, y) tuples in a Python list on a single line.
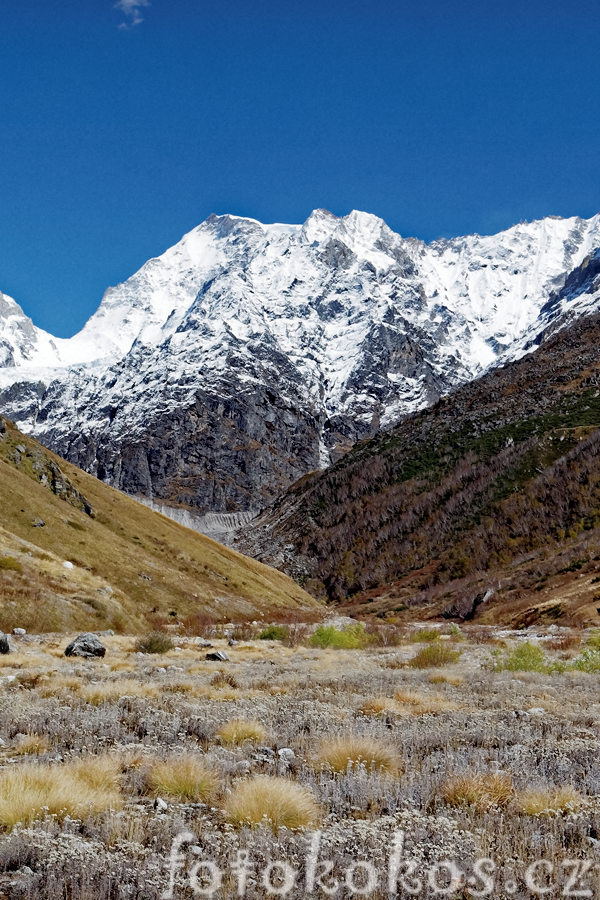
[(250, 354)]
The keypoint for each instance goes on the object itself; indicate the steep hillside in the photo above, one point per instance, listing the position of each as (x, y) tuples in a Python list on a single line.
[(248, 355), (126, 565), (486, 505)]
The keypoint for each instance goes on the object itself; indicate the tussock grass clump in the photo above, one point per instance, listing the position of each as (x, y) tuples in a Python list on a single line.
[(86, 787), (105, 692), (379, 706), (479, 790), (276, 801), (154, 642), (183, 778), (545, 802), (10, 564), (30, 744), (351, 638), (223, 679), (420, 704), (434, 654), (241, 731), (344, 752)]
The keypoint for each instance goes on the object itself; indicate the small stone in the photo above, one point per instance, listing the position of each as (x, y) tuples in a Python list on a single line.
[(232, 642), (536, 711), (4, 645), (38, 523), (286, 754), (160, 805), (19, 631), (67, 564), (217, 656)]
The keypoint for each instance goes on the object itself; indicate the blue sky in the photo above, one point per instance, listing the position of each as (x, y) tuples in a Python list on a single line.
[(123, 126)]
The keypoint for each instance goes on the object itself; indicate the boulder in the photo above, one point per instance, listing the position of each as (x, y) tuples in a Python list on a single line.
[(86, 645), (217, 656), (4, 645)]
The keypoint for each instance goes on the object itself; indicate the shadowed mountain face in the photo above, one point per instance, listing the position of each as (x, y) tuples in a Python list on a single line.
[(248, 355), (487, 504)]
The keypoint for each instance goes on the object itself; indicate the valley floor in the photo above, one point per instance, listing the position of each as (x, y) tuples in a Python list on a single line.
[(493, 754)]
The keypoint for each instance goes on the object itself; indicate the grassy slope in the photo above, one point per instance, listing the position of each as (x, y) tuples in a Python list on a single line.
[(130, 564), (495, 488)]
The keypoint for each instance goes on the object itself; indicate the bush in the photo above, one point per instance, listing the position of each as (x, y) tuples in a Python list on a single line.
[(274, 633), (352, 637), (594, 640), (587, 661), (343, 753), (183, 778), (278, 801), (527, 658), (154, 642), (425, 635), (434, 654)]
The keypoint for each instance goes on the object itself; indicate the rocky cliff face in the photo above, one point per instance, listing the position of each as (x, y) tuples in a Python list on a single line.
[(248, 355)]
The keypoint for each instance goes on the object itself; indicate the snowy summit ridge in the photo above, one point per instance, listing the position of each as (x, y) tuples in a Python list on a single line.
[(248, 354)]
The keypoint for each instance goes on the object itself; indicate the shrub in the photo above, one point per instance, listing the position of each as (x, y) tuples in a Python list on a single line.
[(343, 753), (77, 789), (278, 801), (587, 661), (527, 658), (480, 790), (352, 637), (154, 642), (183, 778), (240, 731), (274, 633), (434, 654), (548, 801), (425, 635), (594, 640)]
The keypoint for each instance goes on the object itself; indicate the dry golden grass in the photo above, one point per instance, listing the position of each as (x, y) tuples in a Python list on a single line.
[(276, 801), (380, 706), (183, 778), (30, 745), (544, 802), (444, 678), (478, 790), (111, 554), (241, 731), (420, 704), (104, 692), (342, 753), (85, 787)]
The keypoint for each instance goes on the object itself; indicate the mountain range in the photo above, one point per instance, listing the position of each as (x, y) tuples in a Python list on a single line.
[(249, 355)]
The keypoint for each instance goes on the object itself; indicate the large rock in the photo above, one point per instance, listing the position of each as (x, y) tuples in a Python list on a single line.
[(86, 645), (4, 645)]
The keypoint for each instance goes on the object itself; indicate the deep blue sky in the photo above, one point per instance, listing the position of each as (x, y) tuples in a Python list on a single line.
[(442, 117)]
